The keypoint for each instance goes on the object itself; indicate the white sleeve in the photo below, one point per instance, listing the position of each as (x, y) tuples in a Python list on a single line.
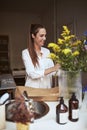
[(31, 71)]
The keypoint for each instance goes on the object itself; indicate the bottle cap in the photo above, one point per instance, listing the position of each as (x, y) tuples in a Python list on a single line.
[(73, 95), (61, 100)]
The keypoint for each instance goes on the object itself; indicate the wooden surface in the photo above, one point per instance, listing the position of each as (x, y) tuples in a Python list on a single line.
[(39, 94)]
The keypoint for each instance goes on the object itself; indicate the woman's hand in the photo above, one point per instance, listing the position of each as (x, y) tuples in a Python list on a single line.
[(56, 67)]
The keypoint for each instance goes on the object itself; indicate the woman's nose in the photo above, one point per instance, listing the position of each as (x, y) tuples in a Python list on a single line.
[(44, 38)]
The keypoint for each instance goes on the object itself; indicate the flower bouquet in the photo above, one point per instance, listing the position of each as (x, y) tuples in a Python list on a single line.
[(71, 54)]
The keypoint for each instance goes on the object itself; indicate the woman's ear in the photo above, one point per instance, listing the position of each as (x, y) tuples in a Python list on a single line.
[(33, 36)]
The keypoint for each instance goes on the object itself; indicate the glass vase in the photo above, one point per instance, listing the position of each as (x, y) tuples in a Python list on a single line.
[(69, 82)]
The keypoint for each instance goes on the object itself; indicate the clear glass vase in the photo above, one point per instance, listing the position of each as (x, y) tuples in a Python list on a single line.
[(69, 82)]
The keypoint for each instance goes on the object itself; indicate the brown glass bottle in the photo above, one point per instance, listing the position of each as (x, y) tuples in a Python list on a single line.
[(73, 108), (61, 112)]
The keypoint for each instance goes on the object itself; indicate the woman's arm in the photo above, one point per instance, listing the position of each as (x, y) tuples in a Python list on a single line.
[(52, 69)]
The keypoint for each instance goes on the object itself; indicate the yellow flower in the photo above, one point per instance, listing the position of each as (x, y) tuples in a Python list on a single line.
[(76, 53), (54, 46), (66, 51), (76, 43), (60, 41), (66, 31), (65, 27), (67, 38), (52, 56)]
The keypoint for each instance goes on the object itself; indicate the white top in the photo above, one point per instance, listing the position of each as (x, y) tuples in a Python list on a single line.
[(35, 75)]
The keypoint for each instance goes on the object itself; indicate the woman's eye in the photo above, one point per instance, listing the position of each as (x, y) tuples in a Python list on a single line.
[(43, 36)]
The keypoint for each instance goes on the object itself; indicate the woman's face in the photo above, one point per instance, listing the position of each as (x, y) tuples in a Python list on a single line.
[(39, 39)]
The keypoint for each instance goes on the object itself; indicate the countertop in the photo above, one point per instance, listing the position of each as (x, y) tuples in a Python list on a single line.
[(49, 121)]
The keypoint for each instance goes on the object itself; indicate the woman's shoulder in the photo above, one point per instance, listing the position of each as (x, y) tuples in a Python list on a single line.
[(44, 49), (25, 51)]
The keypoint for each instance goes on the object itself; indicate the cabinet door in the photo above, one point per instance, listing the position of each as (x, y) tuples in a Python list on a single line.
[(4, 54)]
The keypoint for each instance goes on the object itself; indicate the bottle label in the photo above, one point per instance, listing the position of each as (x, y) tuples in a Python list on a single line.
[(63, 117), (75, 113)]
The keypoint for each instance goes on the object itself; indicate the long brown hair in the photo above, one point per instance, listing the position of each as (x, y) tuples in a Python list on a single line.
[(33, 30)]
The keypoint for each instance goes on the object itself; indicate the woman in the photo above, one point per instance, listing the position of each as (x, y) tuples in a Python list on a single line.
[(39, 67)]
